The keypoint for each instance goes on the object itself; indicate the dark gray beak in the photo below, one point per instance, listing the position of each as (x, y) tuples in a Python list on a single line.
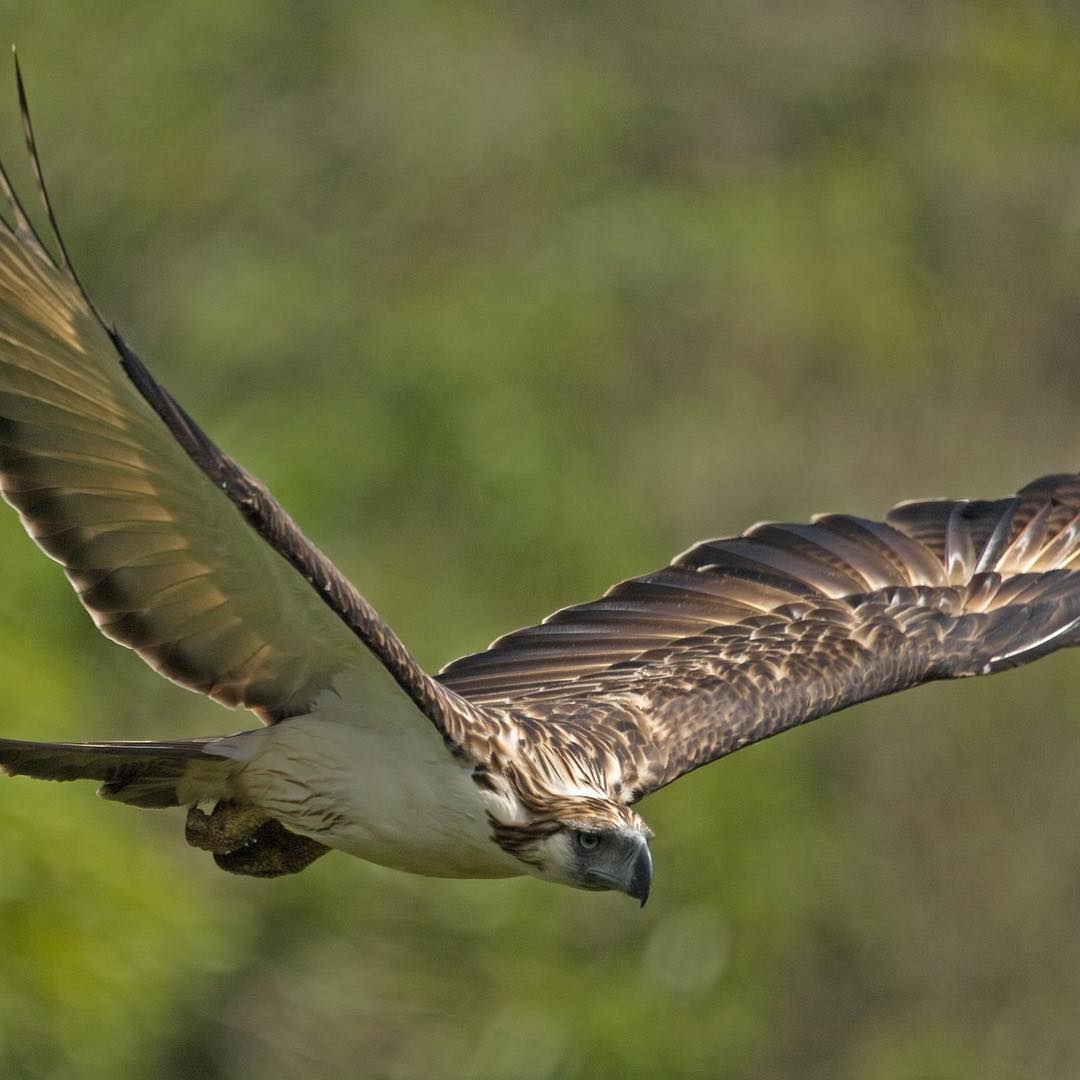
[(641, 876)]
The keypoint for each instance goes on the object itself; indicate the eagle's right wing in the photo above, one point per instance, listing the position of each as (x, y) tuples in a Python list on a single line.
[(742, 638)]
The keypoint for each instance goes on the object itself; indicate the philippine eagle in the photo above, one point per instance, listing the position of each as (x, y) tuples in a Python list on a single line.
[(527, 758)]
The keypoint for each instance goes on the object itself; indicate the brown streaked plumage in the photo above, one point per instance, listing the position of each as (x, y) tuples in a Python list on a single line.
[(525, 758), (742, 638)]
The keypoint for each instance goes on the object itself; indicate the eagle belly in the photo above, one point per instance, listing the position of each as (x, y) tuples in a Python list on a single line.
[(389, 792)]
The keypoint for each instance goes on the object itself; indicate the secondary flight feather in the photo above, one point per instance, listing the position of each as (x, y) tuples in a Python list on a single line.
[(524, 759)]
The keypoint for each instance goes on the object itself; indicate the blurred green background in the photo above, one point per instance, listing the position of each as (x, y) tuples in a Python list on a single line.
[(507, 302)]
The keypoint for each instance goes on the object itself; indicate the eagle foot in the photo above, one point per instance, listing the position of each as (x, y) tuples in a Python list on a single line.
[(243, 840), (229, 826), (271, 851)]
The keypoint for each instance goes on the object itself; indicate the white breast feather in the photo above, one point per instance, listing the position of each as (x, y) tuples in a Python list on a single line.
[(375, 782)]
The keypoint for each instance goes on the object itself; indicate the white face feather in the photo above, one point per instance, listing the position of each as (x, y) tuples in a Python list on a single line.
[(559, 858), (596, 859)]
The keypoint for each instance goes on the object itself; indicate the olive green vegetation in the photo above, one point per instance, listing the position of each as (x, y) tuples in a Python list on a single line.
[(507, 302)]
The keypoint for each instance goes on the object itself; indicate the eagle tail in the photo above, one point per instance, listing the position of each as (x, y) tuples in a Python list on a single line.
[(147, 774)]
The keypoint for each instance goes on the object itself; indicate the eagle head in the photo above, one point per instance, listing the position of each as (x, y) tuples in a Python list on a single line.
[(586, 842)]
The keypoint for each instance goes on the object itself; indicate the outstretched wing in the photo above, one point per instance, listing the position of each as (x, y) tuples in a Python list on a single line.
[(175, 550), (742, 638)]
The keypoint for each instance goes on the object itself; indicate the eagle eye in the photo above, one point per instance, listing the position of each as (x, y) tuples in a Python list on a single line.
[(587, 841)]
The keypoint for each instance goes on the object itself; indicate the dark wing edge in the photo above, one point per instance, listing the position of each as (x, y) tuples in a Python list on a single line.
[(254, 503), (742, 638)]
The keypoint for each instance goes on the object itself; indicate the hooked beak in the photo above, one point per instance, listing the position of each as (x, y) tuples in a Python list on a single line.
[(641, 875), (630, 874)]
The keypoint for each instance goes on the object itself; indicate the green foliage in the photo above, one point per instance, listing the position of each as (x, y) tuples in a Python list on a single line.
[(508, 302)]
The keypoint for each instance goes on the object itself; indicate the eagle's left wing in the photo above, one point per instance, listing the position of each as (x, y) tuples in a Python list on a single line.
[(742, 638), (175, 550)]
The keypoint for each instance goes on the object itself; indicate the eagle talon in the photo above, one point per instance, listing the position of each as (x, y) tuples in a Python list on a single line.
[(244, 840), (271, 851), (229, 826)]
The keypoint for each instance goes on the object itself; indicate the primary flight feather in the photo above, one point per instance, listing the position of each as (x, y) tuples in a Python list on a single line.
[(523, 759)]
